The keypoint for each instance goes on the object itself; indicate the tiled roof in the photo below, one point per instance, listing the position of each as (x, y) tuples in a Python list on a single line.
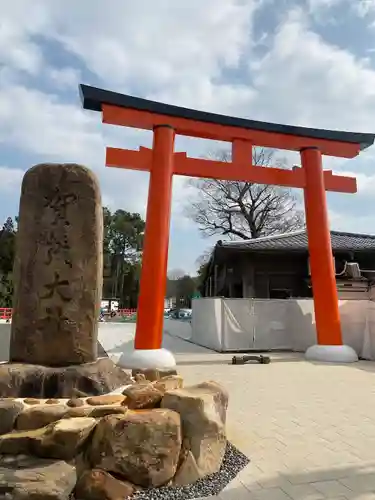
[(298, 241)]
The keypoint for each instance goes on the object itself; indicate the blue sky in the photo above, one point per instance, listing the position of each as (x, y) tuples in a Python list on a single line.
[(302, 62)]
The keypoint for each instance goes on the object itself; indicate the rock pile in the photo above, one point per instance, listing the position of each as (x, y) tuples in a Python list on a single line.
[(157, 433)]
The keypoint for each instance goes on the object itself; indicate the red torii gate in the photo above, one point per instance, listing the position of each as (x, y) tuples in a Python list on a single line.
[(162, 162)]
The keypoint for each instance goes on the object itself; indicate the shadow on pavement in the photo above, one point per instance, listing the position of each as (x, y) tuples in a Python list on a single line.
[(354, 482)]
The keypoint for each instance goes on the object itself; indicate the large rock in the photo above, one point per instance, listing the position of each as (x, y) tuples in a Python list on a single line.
[(98, 412), (169, 383), (28, 478), (152, 374), (63, 439), (108, 399), (23, 380), (9, 411), (103, 411), (98, 484), (202, 409), (58, 267), (39, 416), (143, 447), (20, 442), (142, 396), (188, 471)]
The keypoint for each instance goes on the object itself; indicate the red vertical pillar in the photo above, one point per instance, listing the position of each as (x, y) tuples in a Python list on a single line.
[(326, 305), (149, 331)]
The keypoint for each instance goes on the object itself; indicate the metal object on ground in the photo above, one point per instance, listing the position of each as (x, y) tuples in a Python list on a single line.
[(241, 360)]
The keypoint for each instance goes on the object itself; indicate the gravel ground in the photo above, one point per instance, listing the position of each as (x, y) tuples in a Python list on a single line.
[(234, 461)]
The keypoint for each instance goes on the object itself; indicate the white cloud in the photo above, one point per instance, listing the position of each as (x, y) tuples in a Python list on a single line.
[(362, 224), (166, 48), (64, 77), (360, 8), (176, 52), (38, 123), (161, 42), (364, 7), (171, 51), (303, 80), (18, 50), (10, 179)]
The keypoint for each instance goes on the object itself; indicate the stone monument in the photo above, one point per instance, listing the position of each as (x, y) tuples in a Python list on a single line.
[(58, 282), (58, 267)]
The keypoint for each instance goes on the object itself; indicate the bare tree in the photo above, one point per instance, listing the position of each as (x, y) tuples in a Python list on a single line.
[(242, 209), (203, 262), (203, 259)]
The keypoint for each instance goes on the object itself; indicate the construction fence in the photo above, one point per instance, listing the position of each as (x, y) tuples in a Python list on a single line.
[(255, 324)]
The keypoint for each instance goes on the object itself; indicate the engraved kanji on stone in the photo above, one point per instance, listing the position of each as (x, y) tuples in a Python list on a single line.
[(59, 203), (59, 286), (55, 246), (55, 318)]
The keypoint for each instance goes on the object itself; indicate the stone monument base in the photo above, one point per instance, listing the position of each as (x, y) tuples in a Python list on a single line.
[(115, 446), (21, 380)]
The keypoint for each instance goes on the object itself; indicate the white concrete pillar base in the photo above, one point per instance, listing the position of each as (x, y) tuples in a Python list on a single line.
[(331, 354), (144, 359)]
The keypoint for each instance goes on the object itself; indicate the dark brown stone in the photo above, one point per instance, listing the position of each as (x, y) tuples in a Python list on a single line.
[(9, 411), (98, 484), (78, 394), (58, 267), (153, 375), (75, 403), (108, 399), (142, 397), (94, 379), (31, 401)]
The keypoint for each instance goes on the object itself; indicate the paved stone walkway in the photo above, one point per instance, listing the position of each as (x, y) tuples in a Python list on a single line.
[(308, 429)]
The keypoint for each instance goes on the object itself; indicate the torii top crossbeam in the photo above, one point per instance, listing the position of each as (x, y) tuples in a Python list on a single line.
[(162, 162), (121, 109)]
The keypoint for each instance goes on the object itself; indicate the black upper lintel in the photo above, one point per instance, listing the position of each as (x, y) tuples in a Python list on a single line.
[(93, 98)]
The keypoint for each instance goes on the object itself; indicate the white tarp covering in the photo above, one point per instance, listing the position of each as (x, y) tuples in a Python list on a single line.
[(241, 324), (272, 329), (207, 323), (178, 328), (238, 323)]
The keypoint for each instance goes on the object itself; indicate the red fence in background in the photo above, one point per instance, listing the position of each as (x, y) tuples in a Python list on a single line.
[(127, 312), (6, 312)]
